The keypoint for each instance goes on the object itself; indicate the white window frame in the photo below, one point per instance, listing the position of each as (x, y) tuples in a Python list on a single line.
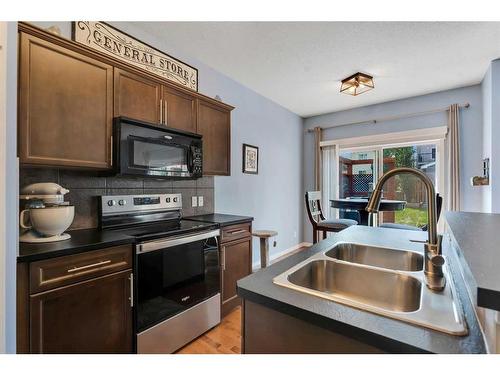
[(378, 142)]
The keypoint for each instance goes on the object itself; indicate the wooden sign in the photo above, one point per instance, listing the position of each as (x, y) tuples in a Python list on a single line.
[(106, 39)]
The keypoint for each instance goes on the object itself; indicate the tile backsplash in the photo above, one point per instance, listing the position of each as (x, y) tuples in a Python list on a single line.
[(85, 187)]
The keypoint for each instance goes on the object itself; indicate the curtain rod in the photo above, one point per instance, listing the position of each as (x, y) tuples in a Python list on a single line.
[(391, 118)]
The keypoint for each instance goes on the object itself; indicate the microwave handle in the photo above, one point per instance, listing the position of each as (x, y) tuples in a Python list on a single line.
[(191, 159)]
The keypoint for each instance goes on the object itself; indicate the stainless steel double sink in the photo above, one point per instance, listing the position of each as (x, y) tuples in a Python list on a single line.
[(385, 281)]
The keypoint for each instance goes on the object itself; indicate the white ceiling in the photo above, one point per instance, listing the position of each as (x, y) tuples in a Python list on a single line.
[(300, 64)]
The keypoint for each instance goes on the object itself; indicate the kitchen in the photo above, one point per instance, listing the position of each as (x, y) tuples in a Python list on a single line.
[(143, 192)]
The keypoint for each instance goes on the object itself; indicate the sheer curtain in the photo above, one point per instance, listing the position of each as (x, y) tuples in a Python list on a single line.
[(329, 156), (453, 140), (317, 158)]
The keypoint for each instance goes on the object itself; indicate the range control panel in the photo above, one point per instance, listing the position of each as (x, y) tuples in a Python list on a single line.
[(115, 204)]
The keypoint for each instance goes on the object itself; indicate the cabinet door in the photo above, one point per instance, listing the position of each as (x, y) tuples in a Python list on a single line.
[(236, 264), (65, 106), (136, 97), (214, 124), (179, 110), (94, 316)]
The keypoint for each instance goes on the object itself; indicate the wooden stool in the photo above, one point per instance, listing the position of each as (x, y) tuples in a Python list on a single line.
[(264, 236)]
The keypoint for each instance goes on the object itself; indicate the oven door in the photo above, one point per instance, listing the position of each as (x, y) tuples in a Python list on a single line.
[(174, 275)]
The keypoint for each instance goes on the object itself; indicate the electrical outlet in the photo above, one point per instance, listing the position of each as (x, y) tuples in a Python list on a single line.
[(194, 202), (200, 201)]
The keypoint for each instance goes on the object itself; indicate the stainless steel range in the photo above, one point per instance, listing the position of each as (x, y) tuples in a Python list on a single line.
[(177, 282)]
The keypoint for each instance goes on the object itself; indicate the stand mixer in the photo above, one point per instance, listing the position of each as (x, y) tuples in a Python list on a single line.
[(46, 215)]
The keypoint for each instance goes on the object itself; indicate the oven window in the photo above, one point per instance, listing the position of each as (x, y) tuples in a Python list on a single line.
[(183, 264), (159, 156), (173, 279)]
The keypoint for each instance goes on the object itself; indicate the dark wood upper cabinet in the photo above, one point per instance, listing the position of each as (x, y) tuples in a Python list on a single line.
[(65, 106), (214, 124), (69, 94), (179, 110), (93, 316), (136, 97)]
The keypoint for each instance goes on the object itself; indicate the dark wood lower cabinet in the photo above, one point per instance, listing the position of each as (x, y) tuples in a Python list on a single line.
[(80, 303), (93, 316), (268, 331), (236, 263)]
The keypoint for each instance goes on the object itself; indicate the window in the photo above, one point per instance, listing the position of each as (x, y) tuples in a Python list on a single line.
[(361, 167), (357, 173), (407, 187)]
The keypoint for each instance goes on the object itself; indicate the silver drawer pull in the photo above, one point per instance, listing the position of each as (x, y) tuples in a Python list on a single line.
[(76, 269), (238, 231), (131, 298)]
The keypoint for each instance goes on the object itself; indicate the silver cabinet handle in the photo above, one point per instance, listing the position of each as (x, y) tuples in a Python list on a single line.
[(165, 117), (161, 111), (223, 260), (111, 152), (76, 269), (131, 278), (238, 231)]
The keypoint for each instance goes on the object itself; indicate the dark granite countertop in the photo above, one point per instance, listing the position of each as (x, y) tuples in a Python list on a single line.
[(81, 240), (388, 334), (92, 239), (221, 219), (475, 235)]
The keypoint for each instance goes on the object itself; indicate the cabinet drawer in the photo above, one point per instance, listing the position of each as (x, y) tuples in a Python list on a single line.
[(234, 232), (57, 272)]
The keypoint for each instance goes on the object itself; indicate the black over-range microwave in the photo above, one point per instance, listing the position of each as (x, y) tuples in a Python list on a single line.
[(147, 150)]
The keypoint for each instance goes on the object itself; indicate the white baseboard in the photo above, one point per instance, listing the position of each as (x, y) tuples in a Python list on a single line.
[(256, 265)]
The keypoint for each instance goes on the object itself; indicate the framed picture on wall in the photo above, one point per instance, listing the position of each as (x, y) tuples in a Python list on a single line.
[(250, 159)]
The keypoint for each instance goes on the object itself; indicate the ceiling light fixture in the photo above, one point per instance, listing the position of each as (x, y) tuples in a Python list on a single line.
[(357, 84)]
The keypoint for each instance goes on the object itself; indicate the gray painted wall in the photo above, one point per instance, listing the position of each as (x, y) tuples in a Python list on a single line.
[(273, 197), (486, 86), (471, 141), (491, 117)]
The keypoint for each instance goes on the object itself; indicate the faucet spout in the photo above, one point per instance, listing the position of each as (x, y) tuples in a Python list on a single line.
[(434, 261)]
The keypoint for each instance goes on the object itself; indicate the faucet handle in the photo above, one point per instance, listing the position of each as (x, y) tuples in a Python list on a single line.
[(437, 260)]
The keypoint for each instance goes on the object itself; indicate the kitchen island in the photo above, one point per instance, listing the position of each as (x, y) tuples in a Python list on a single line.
[(281, 320)]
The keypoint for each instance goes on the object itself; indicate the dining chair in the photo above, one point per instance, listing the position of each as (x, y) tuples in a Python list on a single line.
[(439, 205), (318, 220)]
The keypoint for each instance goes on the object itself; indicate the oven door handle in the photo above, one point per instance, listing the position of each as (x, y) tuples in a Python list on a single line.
[(174, 241)]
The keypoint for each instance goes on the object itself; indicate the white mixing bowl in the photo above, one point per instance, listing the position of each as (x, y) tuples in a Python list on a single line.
[(52, 221)]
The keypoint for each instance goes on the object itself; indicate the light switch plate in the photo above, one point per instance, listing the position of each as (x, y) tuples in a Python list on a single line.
[(194, 201), (200, 201)]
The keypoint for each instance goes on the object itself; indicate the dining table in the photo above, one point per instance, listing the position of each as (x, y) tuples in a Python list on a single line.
[(359, 204)]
